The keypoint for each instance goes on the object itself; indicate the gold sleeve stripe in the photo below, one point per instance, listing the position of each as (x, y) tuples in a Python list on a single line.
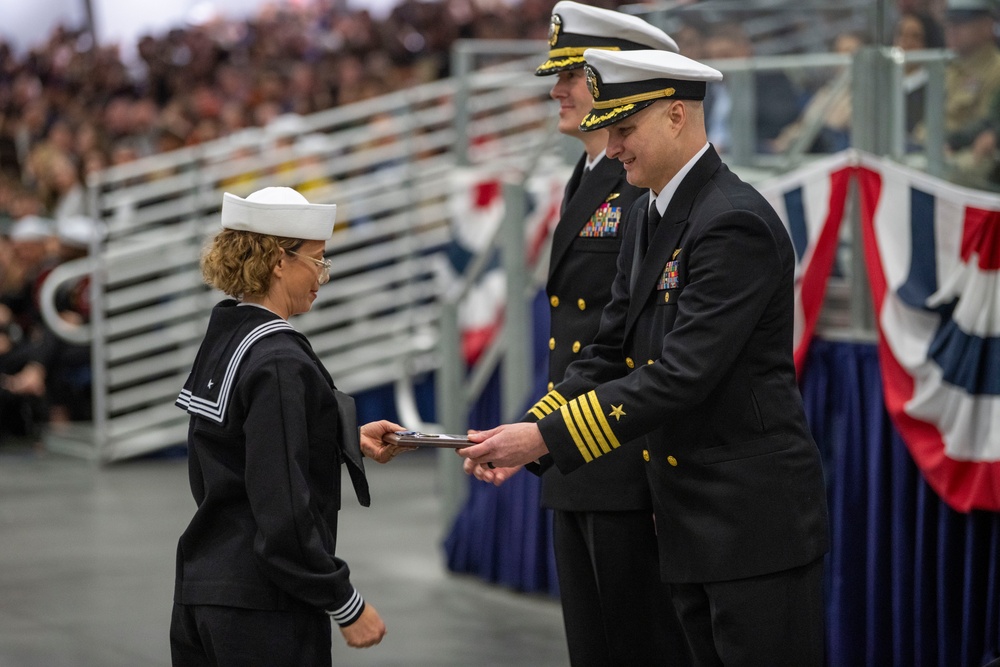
[(548, 404), (602, 419), (571, 428), (539, 409), (588, 414), (581, 428), (553, 402)]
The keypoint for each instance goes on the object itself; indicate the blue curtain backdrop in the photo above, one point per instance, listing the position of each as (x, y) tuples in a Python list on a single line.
[(910, 583)]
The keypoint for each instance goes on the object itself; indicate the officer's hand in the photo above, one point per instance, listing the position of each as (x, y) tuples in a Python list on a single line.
[(506, 446), (495, 476)]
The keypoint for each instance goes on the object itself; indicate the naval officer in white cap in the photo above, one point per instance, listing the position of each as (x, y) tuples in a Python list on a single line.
[(694, 361), (258, 577), (602, 516)]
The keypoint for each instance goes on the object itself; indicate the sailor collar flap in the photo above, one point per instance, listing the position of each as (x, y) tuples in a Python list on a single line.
[(213, 377)]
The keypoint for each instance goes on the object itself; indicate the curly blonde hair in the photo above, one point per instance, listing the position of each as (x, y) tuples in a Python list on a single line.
[(239, 263)]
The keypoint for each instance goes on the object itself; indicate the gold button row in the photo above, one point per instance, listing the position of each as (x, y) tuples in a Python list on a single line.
[(576, 345), (670, 459), (580, 303)]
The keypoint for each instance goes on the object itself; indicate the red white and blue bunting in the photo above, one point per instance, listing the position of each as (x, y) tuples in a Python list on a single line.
[(810, 201), (932, 250), (933, 255)]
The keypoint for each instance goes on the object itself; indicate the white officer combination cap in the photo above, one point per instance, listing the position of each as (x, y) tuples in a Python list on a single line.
[(624, 82), (575, 28), (77, 231), (279, 211), (31, 228)]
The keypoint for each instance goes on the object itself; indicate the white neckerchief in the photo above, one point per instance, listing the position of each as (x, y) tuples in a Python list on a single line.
[(663, 199)]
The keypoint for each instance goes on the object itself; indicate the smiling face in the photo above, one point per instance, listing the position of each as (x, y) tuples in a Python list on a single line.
[(296, 279), (647, 144), (571, 92)]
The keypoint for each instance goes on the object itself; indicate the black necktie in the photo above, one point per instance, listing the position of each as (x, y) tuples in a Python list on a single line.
[(646, 232), (652, 220)]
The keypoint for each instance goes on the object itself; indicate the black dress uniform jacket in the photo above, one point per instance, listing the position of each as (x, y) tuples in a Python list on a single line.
[(264, 463), (694, 356), (582, 268)]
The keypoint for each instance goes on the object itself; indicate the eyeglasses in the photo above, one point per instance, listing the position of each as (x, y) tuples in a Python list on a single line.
[(323, 264)]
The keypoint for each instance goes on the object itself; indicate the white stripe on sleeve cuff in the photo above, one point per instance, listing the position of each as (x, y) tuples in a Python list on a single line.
[(348, 613)]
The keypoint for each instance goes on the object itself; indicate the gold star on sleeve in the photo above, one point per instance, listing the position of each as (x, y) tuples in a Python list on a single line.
[(587, 426), (617, 412)]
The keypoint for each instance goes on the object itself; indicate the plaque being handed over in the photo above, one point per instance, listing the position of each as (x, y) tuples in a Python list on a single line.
[(417, 439)]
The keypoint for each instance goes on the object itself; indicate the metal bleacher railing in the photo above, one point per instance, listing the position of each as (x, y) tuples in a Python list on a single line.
[(389, 165)]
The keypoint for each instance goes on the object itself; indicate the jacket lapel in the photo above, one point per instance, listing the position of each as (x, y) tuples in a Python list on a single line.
[(573, 184), (668, 233), (601, 182)]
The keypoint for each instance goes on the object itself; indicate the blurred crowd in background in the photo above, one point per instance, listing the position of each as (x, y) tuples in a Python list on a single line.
[(69, 108)]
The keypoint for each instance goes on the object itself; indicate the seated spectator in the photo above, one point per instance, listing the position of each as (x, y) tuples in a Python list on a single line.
[(32, 242), (22, 374), (67, 365), (778, 100), (22, 385), (690, 38), (43, 378), (972, 78), (63, 179), (829, 106), (972, 94), (916, 31)]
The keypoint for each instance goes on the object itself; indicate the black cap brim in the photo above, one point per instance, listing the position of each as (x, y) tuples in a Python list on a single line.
[(556, 65), (601, 118)]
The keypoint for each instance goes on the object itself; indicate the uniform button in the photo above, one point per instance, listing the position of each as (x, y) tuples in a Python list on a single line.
[(629, 362), (551, 385), (582, 304), (552, 343), (649, 361), (554, 300), (666, 298), (576, 346), (671, 460), (645, 455)]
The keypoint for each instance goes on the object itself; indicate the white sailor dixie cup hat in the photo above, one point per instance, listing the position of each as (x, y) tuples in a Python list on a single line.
[(279, 212), (624, 82), (575, 28)]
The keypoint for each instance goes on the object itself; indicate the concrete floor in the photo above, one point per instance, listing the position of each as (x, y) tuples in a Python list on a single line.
[(87, 566)]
